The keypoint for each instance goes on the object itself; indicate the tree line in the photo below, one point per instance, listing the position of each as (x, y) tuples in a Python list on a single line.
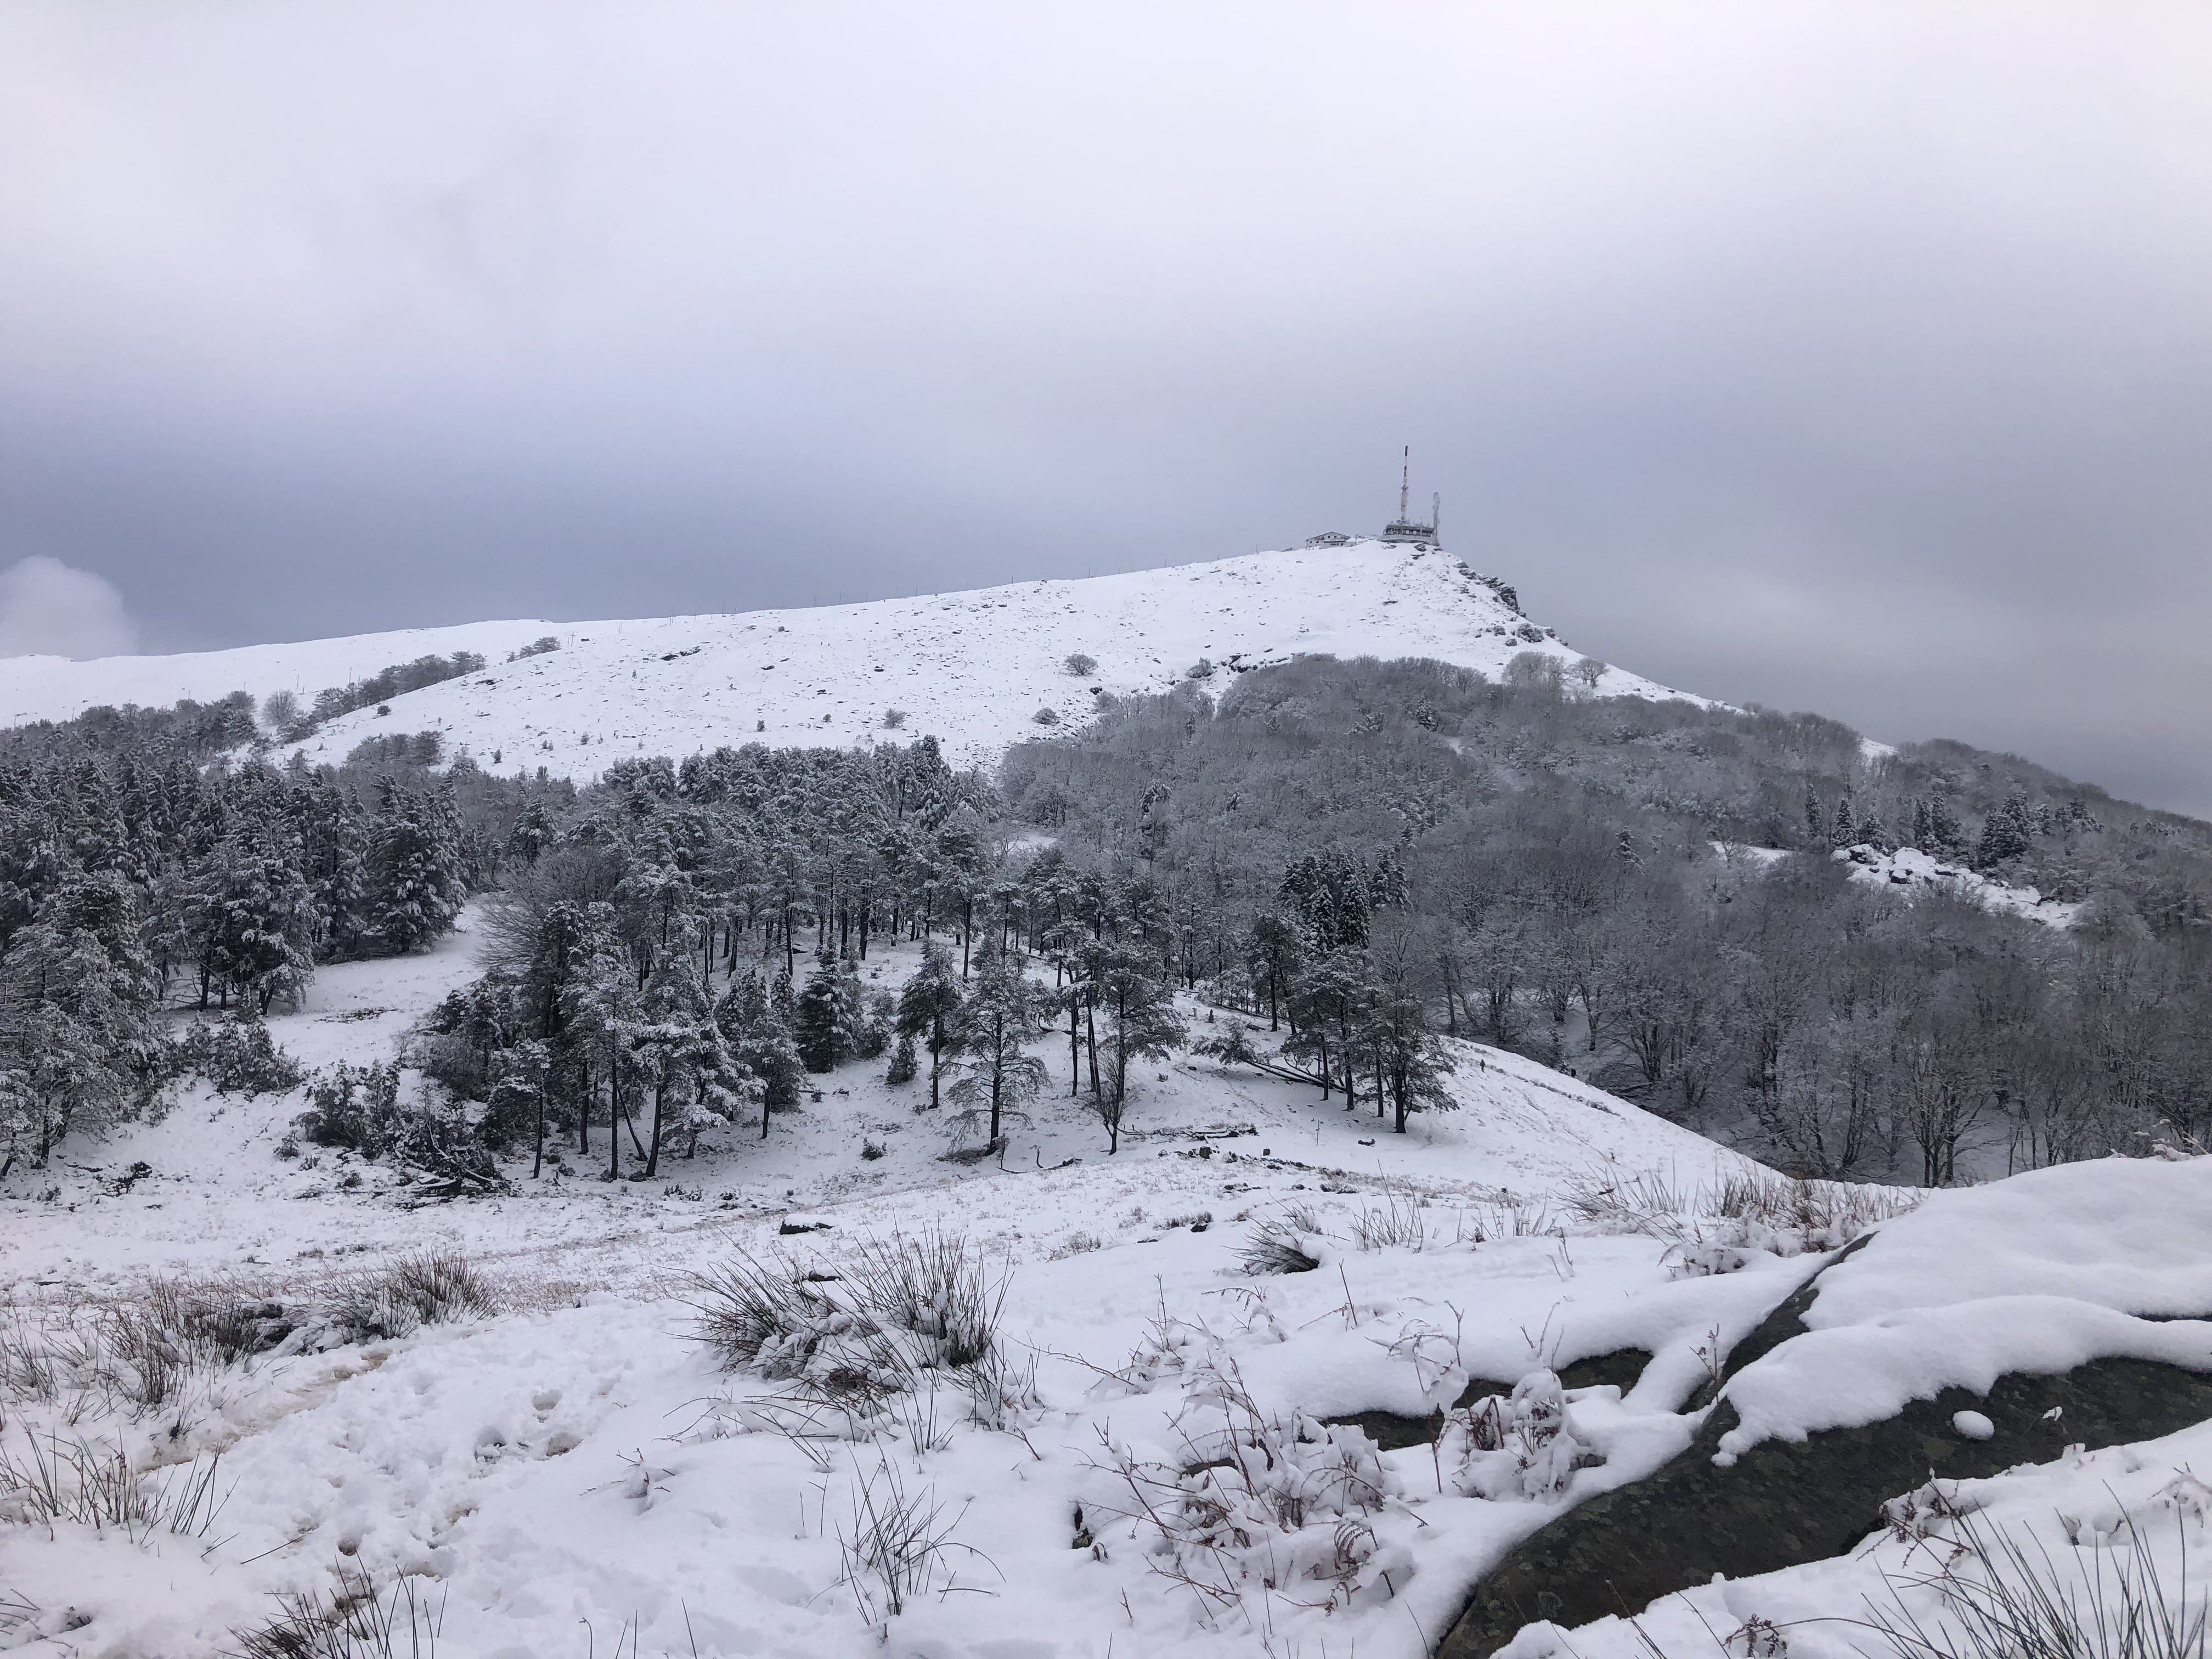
[(1357, 860), (127, 885)]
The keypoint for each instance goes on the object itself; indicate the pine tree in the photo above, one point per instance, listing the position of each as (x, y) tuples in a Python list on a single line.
[(1840, 833), (929, 1009), (252, 924), (1137, 1005), (755, 1020), (821, 1029), (1409, 1065), (904, 1065), (77, 1035), (1274, 952), (2005, 833), (996, 1024), (416, 886), (680, 1054)]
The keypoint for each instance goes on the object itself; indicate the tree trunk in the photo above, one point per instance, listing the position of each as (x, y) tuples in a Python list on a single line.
[(614, 1114)]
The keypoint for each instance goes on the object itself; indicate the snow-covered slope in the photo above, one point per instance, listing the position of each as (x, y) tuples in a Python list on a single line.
[(572, 1469), (973, 668)]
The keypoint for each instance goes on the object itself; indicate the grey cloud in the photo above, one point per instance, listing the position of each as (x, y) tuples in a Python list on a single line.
[(53, 609), (1856, 358)]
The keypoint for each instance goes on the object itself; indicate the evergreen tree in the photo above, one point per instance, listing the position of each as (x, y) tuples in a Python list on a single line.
[(904, 1065), (1841, 832), (76, 1037), (755, 1021), (2005, 833), (929, 1009), (252, 924), (1275, 951), (824, 1036), (996, 1024), (416, 886), (1409, 1064), (1136, 1005), (682, 1059)]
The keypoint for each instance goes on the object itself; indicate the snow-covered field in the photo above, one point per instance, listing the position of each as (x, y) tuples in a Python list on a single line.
[(575, 1470), (972, 668)]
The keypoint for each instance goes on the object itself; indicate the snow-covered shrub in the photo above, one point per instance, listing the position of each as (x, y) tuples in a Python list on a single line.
[(359, 1108), (69, 1478), (1705, 1260), (1518, 1446), (1045, 716), (137, 1353), (1262, 1501), (904, 1063), (906, 1314), (1750, 1209), (1930, 1507), (147, 1346), (1398, 1225), (238, 1056), (894, 718), (357, 1620), (2002, 1598), (1290, 1242), (354, 1108), (396, 1300), (897, 1546), (1079, 664)]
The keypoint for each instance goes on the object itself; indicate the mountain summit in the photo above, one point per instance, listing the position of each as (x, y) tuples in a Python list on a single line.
[(980, 669)]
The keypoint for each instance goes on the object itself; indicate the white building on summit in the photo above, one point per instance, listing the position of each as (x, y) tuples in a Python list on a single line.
[(1403, 528)]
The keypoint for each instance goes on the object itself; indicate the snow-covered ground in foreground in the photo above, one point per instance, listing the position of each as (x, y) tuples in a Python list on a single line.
[(2037, 1273), (1908, 866), (574, 1470), (973, 668), (556, 1469)]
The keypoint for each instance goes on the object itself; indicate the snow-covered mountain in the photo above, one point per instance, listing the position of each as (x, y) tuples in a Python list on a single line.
[(973, 668)]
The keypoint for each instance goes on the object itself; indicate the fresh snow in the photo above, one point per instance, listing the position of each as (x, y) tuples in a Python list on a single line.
[(974, 668), (572, 1471), (563, 1469), (2037, 1273), (1909, 867)]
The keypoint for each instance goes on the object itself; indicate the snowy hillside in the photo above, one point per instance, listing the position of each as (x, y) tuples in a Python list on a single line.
[(972, 668), (485, 1462)]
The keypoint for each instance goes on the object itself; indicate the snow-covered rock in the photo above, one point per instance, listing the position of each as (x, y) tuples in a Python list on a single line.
[(1908, 866)]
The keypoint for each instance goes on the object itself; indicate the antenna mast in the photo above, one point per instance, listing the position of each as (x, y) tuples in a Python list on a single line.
[(1405, 482), (1437, 515)]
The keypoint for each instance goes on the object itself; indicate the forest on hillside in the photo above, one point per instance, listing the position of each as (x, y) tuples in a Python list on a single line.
[(1360, 858), (1566, 876)]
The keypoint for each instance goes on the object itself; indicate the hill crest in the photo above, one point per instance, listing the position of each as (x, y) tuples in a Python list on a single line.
[(974, 668)]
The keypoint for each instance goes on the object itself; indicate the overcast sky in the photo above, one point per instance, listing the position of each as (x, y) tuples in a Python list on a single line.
[(1849, 356)]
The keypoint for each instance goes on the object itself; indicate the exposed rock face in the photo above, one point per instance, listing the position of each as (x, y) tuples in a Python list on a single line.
[(1784, 1503)]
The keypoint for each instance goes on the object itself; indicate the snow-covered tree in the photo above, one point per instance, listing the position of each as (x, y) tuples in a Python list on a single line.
[(929, 1010), (415, 884), (997, 1021)]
